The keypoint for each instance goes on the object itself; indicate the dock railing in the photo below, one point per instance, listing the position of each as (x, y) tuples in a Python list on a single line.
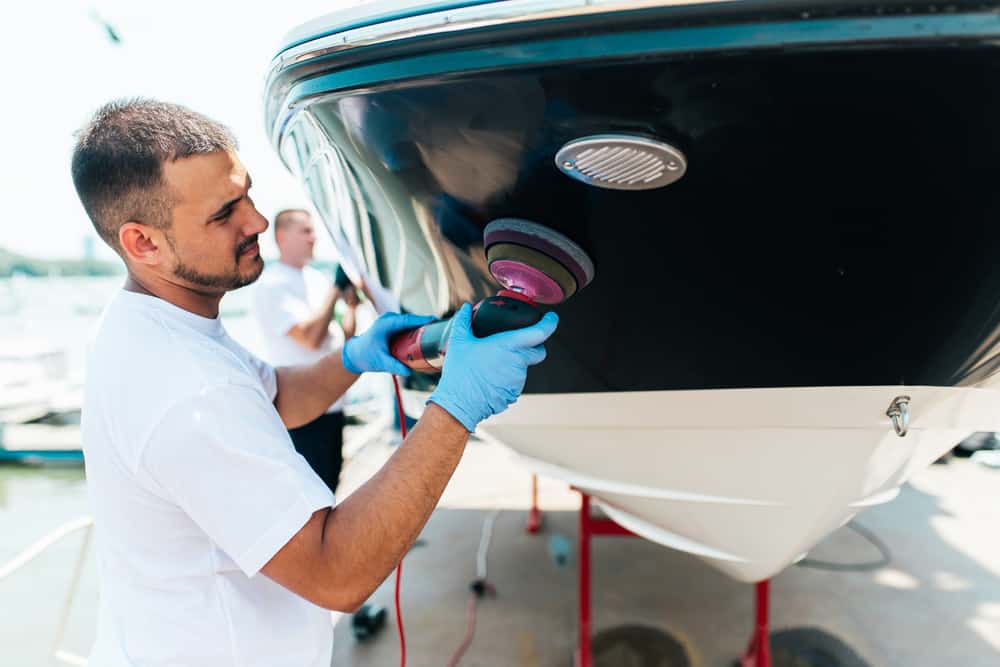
[(85, 524)]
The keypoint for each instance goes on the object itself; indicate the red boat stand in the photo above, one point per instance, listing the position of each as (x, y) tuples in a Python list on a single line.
[(534, 514), (758, 653), (589, 527)]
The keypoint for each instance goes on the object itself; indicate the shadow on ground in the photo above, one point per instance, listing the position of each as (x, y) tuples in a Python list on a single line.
[(937, 603)]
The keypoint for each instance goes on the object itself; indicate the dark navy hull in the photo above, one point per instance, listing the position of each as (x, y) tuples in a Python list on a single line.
[(838, 224)]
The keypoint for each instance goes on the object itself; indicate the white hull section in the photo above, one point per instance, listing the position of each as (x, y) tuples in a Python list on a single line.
[(747, 479)]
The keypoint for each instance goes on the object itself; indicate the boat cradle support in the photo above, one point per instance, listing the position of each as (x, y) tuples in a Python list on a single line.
[(758, 652)]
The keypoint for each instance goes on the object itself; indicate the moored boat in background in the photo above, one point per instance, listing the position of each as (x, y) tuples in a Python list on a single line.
[(39, 404)]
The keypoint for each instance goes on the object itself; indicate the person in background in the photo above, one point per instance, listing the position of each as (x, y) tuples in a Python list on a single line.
[(294, 308)]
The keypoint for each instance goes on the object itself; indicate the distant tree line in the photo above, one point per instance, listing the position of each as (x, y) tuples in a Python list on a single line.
[(12, 263)]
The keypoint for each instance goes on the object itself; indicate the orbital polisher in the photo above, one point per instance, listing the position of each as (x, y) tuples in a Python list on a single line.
[(534, 264)]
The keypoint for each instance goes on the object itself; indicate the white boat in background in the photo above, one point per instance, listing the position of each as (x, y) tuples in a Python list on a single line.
[(34, 381), (39, 404), (790, 208)]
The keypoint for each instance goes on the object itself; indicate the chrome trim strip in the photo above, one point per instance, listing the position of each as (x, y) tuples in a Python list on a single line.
[(463, 18)]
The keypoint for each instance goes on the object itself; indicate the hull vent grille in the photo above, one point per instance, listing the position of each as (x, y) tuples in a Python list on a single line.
[(621, 162)]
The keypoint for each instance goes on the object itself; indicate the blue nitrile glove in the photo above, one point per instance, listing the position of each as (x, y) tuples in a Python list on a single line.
[(482, 376), (369, 352)]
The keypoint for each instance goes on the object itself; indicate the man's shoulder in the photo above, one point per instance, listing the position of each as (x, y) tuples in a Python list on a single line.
[(277, 279), (140, 365), (150, 348), (314, 273), (278, 271)]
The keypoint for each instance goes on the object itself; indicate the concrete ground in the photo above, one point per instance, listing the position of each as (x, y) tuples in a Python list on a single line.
[(936, 604)]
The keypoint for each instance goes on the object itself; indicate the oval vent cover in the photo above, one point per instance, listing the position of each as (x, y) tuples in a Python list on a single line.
[(621, 162)]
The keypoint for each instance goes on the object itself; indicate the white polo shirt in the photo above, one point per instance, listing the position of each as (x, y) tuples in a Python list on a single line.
[(283, 297), (195, 485)]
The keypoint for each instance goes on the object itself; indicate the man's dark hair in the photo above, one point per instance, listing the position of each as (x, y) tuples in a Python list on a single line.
[(118, 158), (283, 217)]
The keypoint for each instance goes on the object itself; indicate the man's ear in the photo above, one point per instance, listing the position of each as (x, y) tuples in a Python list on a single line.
[(141, 243)]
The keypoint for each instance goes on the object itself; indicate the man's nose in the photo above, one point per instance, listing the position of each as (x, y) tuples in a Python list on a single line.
[(257, 223)]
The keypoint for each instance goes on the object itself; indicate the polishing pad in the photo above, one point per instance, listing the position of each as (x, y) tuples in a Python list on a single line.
[(503, 258), (535, 260)]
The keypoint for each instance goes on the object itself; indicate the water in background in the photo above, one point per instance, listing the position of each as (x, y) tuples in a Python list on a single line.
[(35, 501), (63, 311)]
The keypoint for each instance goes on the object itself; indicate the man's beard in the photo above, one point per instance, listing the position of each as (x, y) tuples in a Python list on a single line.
[(230, 280)]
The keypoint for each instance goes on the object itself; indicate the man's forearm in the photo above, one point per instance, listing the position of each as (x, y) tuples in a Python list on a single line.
[(311, 332), (342, 554), (305, 392), (349, 323), (367, 534)]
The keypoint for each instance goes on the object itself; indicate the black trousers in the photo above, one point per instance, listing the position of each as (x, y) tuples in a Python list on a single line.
[(320, 443)]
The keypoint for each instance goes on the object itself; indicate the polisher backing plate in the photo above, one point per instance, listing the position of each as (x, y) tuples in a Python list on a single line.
[(499, 255), (523, 279), (544, 239)]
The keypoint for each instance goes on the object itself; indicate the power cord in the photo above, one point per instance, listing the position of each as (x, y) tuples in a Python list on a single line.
[(478, 588), (885, 556)]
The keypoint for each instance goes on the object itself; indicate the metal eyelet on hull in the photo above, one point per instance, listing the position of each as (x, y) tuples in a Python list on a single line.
[(899, 413)]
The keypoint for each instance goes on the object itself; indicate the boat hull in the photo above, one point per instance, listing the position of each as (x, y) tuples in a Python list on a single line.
[(748, 480), (721, 386), (813, 240)]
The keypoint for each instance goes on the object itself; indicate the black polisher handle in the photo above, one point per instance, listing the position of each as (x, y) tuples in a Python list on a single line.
[(423, 348), (503, 313)]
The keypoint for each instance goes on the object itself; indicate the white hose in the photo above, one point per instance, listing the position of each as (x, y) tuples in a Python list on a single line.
[(484, 544), (70, 658)]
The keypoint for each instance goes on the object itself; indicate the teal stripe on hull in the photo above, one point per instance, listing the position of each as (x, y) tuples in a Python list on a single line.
[(832, 32), (41, 456)]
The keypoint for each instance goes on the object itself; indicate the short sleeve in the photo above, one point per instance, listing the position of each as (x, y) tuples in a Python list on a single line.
[(278, 309), (225, 458), (261, 369), (266, 373)]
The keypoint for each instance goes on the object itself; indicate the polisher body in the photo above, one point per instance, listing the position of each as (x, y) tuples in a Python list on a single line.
[(423, 349)]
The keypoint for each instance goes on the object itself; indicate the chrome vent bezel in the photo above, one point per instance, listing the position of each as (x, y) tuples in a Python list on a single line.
[(621, 162)]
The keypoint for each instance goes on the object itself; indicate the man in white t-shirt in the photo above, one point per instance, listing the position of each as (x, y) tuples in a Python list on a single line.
[(216, 543), (294, 305)]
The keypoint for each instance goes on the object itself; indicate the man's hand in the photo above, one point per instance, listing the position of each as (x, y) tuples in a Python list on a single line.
[(369, 352), (351, 296), (482, 376)]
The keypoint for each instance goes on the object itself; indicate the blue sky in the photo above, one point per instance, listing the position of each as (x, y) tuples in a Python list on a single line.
[(211, 55)]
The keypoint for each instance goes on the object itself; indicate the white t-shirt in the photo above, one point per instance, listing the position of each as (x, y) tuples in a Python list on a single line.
[(283, 297), (195, 485)]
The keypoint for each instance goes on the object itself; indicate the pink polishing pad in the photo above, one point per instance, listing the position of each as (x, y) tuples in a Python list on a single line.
[(531, 282)]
